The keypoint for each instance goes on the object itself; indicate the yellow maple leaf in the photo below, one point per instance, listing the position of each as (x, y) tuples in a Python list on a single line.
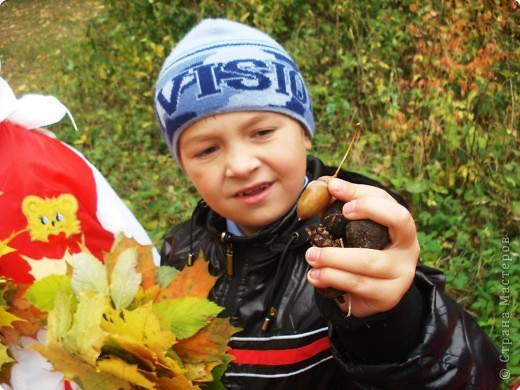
[(6, 318), (127, 372), (148, 359), (139, 324), (4, 357)]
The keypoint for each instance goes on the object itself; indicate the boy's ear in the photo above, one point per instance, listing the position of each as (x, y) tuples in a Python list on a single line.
[(307, 141)]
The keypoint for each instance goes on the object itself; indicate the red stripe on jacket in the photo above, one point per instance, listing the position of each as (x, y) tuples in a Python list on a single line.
[(276, 357)]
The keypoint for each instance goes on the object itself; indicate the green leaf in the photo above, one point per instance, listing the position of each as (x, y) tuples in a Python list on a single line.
[(416, 187), (165, 275), (125, 281), (217, 373), (42, 293), (3, 302), (186, 316), (89, 274)]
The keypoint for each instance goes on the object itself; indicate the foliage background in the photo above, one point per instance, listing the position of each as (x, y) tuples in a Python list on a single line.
[(433, 83)]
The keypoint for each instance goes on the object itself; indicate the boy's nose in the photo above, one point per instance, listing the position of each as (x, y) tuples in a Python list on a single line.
[(240, 163)]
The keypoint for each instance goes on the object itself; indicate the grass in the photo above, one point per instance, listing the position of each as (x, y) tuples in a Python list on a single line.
[(35, 37)]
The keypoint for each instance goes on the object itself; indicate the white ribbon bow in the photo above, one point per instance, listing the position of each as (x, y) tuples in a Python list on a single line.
[(31, 111)]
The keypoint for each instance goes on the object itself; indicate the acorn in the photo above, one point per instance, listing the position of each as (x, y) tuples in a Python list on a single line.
[(314, 199)]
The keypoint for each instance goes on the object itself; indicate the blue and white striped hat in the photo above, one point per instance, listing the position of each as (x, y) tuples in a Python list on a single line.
[(224, 66)]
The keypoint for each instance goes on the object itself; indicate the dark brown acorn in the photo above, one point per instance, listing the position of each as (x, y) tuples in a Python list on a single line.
[(334, 230), (365, 233), (333, 219), (361, 233)]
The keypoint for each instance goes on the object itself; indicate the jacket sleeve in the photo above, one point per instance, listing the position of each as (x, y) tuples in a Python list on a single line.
[(427, 342)]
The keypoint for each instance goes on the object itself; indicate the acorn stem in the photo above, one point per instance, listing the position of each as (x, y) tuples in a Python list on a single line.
[(358, 126)]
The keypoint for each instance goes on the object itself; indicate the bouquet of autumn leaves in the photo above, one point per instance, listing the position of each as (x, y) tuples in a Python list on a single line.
[(124, 324)]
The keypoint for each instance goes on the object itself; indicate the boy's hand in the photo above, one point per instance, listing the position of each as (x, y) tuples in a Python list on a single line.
[(375, 279)]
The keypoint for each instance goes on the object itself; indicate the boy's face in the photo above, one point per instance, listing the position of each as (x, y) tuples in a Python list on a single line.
[(248, 166)]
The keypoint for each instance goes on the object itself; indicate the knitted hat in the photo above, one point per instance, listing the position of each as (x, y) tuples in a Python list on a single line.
[(224, 66)]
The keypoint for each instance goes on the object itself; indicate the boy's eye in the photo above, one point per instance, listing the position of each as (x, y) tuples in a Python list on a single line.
[(263, 132), (207, 151)]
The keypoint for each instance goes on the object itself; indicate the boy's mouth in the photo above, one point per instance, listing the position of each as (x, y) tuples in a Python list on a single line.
[(253, 191)]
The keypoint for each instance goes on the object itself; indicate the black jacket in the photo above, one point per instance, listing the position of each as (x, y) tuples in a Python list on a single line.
[(294, 338)]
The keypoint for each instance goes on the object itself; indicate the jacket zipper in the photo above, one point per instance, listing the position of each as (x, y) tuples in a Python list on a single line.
[(224, 238)]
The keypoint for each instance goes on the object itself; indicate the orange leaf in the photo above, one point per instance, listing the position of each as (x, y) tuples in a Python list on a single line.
[(146, 266), (179, 382), (209, 344), (194, 281), (31, 319)]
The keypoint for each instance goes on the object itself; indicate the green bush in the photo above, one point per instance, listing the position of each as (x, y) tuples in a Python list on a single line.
[(434, 85)]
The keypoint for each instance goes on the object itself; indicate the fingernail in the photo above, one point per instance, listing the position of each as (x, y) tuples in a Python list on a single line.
[(313, 254), (349, 207), (313, 274)]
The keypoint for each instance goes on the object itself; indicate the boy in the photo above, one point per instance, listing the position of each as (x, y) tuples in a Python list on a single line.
[(237, 117)]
